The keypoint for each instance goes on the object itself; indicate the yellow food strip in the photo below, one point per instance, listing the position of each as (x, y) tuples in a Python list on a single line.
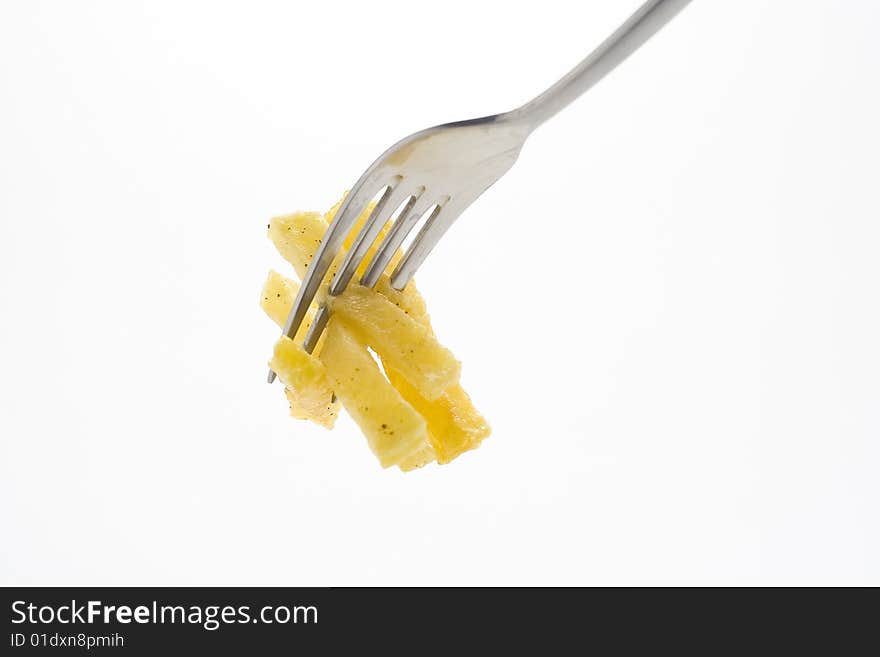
[(297, 236), (408, 300), (312, 408), (276, 300), (405, 344), (277, 297), (454, 425), (307, 378), (352, 234), (420, 458), (394, 430)]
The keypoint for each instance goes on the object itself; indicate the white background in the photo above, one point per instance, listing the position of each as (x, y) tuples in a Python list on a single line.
[(668, 309)]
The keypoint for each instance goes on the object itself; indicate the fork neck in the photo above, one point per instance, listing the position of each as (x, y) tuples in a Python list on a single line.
[(640, 27)]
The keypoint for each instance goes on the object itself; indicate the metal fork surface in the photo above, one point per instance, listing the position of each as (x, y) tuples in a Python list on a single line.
[(444, 169)]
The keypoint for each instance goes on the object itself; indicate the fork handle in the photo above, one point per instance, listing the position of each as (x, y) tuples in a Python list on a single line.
[(640, 27)]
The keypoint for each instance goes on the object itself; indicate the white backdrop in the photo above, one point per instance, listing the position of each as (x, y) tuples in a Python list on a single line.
[(701, 406)]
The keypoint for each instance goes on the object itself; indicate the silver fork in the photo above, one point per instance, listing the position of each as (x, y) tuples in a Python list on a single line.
[(444, 169)]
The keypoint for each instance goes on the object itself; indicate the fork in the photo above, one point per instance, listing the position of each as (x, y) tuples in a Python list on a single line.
[(441, 171)]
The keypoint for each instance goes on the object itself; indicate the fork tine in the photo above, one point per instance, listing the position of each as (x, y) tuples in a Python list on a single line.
[(315, 330), (348, 212), (389, 202), (426, 239), (395, 237), (330, 244)]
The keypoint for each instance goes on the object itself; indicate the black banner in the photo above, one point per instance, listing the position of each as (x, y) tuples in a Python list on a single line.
[(273, 620)]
